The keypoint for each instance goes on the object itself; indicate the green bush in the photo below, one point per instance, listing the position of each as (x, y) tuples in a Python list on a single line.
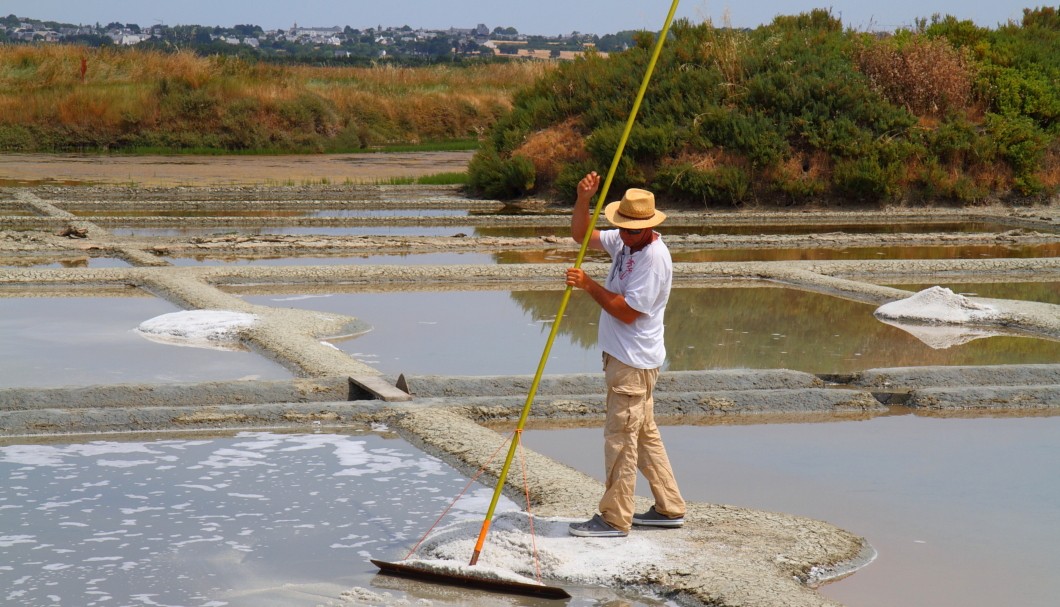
[(953, 141), (723, 184), (309, 113), (16, 138), (501, 178), (1023, 145), (753, 135), (866, 178), (1024, 92), (939, 183), (795, 88)]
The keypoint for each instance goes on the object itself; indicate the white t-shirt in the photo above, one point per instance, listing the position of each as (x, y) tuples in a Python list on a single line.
[(643, 279)]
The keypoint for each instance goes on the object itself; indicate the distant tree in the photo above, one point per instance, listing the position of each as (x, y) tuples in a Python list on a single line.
[(247, 30), (1045, 17), (133, 27), (438, 46), (93, 40), (613, 43), (11, 21), (505, 31), (114, 25)]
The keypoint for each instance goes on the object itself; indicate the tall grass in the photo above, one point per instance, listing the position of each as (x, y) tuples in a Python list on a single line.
[(148, 99)]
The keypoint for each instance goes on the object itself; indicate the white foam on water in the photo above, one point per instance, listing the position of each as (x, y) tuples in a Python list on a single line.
[(215, 329)]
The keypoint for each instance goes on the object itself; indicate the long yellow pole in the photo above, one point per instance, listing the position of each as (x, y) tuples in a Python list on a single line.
[(567, 293)]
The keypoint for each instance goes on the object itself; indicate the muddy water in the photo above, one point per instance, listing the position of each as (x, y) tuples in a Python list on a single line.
[(500, 333), (565, 255), (902, 252), (256, 519), (81, 341), (62, 262), (364, 231), (963, 512), (766, 230), (245, 212), (410, 259)]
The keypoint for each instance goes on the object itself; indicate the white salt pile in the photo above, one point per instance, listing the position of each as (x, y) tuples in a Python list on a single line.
[(218, 329), (936, 305), (936, 317)]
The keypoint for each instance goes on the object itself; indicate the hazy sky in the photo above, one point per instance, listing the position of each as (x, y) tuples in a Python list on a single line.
[(545, 17)]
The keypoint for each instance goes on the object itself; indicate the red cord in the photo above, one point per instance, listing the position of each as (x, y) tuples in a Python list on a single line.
[(457, 499), (529, 514)]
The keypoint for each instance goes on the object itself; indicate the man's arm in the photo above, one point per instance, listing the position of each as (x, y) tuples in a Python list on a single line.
[(579, 219), (612, 303)]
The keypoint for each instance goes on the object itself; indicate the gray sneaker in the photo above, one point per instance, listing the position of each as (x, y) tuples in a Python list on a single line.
[(651, 518), (596, 527)]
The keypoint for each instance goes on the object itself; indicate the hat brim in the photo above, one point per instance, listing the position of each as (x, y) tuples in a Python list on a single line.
[(621, 221)]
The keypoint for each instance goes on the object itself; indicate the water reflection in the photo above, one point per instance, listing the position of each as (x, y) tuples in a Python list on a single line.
[(299, 231), (245, 212), (81, 261), (940, 499), (898, 252), (369, 259), (81, 341), (766, 229), (703, 255), (496, 332)]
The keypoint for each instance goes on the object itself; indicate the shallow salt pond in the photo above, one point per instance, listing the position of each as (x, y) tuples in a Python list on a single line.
[(504, 332), (367, 259), (300, 231), (964, 512), (78, 341), (251, 212), (256, 519), (567, 255), (63, 262)]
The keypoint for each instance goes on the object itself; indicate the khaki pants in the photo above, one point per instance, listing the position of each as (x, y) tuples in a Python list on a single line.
[(632, 442)]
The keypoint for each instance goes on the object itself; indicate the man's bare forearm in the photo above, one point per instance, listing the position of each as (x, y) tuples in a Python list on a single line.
[(612, 303)]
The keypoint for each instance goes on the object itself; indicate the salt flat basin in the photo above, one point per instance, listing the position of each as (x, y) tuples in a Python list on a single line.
[(706, 328), (962, 511), (244, 520), (82, 341)]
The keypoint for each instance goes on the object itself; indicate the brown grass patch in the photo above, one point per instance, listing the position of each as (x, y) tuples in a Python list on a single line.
[(127, 91), (925, 75), (551, 148), (1050, 173)]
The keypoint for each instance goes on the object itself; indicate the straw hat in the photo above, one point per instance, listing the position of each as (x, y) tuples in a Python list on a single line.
[(636, 210)]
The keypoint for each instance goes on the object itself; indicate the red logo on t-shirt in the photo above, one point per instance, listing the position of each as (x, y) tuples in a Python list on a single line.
[(628, 269)]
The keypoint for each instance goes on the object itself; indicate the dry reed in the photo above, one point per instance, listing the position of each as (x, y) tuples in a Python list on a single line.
[(127, 91)]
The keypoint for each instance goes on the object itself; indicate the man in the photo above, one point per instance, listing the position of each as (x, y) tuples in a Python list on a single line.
[(633, 300)]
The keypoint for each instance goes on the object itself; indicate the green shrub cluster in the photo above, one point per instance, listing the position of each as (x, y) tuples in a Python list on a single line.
[(802, 109)]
